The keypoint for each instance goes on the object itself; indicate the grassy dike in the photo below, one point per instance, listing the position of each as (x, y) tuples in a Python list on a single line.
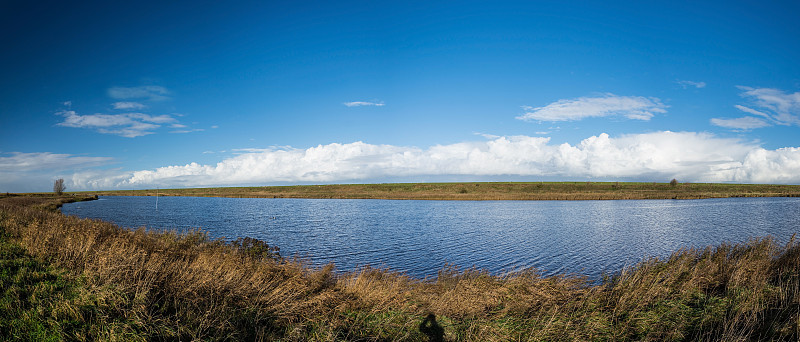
[(486, 191), (79, 279)]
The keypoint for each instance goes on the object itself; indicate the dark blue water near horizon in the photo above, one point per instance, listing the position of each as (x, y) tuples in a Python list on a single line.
[(420, 237)]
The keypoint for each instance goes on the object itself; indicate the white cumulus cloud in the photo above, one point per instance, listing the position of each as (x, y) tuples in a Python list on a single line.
[(659, 156), (631, 107), (776, 166)]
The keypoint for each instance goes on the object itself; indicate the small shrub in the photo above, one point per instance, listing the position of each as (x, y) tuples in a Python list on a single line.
[(257, 249), (59, 187), (673, 182)]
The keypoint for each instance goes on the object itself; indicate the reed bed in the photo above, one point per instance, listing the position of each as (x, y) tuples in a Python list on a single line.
[(140, 285)]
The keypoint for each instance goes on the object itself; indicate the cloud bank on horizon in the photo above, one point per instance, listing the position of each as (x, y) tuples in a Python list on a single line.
[(687, 156), (655, 156)]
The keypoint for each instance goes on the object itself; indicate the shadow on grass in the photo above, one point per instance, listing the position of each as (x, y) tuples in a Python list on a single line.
[(432, 329)]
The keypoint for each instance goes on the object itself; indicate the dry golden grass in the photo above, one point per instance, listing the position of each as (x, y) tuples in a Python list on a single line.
[(188, 287)]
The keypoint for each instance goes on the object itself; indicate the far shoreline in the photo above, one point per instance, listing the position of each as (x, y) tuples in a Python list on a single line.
[(482, 191)]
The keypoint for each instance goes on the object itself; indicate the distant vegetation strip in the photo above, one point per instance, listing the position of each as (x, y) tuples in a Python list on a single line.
[(65, 278), (486, 191)]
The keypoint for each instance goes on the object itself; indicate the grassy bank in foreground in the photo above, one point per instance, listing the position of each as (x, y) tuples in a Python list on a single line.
[(39, 302), (135, 285), (487, 191)]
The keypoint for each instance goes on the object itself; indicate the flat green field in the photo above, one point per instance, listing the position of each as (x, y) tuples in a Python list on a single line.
[(486, 191)]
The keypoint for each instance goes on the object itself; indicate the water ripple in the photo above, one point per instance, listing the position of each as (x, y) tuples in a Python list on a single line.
[(420, 237)]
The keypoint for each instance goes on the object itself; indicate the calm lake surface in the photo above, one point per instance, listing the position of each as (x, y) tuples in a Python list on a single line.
[(420, 237)]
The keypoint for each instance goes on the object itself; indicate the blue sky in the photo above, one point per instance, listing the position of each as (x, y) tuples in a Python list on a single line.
[(130, 95)]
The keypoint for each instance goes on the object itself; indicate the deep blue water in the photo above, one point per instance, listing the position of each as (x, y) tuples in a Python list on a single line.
[(419, 237)]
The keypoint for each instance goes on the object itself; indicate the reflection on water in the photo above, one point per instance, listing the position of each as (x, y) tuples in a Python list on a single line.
[(419, 237)]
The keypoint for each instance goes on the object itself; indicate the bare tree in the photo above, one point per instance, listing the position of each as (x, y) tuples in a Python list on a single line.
[(673, 182), (59, 187)]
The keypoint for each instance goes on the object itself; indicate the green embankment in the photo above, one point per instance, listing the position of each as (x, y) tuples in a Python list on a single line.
[(487, 191), (66, 278)]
